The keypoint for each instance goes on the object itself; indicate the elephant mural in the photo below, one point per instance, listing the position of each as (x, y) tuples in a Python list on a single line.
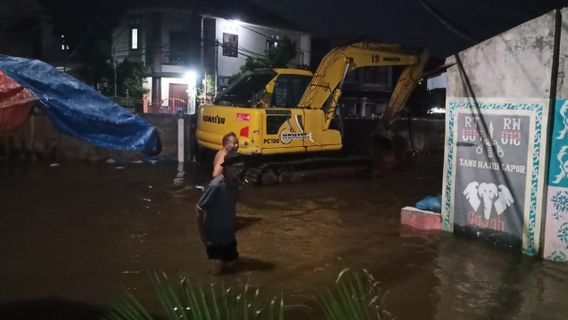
[(492, 195)]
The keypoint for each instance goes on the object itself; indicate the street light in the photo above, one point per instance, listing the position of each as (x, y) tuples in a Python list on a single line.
[(235, 22), (190, 78)]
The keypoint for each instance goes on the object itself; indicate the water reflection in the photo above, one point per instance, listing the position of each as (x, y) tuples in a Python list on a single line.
[(82, 232), (179, 179), (487, 282)]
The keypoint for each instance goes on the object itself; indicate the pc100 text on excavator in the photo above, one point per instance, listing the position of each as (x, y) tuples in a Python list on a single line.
[(283, 117)]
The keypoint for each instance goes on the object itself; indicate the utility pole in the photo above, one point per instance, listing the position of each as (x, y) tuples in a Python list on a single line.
[(114, 68)]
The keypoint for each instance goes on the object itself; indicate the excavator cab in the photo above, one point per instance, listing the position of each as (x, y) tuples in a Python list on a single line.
[(247, 91), (254, 107), (279, 88)]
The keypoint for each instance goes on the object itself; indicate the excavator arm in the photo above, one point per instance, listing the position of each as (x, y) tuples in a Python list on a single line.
[(404, 87), (324, 90)]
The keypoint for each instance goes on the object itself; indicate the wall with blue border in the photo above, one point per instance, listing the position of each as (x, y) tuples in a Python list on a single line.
[(494, 188)]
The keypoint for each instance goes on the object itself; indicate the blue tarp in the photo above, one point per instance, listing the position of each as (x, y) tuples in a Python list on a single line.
[(430, 203), (77, 110)]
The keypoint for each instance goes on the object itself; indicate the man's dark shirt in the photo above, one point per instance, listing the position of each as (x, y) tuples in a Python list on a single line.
[(218, 201)]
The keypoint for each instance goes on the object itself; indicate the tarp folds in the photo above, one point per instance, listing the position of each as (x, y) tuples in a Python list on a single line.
[(15, 104), (76, 109)]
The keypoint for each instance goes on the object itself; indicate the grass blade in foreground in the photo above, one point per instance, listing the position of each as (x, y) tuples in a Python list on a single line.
[(182, 300), (350, 299)]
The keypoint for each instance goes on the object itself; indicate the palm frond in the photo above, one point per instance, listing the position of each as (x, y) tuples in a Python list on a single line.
[(354, 298), (127, 308), (183, 300)]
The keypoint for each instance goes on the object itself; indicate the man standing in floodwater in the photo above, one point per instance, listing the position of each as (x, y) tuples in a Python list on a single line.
[(230, 142), (216, 213)]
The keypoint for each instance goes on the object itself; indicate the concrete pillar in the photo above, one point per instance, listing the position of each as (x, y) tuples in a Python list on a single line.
[(155, 43), (556, 219), (181, 135), (156, 91)]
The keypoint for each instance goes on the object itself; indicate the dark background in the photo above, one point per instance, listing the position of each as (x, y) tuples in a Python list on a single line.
[(443, 26)]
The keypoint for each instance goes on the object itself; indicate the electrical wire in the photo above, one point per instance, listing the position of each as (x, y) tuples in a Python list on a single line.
[(448, 24), (271, 38)]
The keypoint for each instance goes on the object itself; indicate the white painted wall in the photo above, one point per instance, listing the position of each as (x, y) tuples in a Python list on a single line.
[(252, 42), (514, 64), (305, 45)]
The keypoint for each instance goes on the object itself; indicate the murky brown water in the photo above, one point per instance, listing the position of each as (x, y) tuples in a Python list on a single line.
[(78, 232)]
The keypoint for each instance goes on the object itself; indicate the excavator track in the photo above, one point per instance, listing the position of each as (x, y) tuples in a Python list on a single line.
[(310, 169)]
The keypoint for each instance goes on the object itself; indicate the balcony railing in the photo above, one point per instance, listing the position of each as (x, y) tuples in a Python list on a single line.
[(175, 58), (168, 106)]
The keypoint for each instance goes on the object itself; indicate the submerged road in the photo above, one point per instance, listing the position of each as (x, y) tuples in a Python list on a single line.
[(72, 236)]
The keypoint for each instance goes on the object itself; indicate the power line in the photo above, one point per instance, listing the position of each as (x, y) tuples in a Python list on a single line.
[(270, 37), (451, 26), (241, 50)]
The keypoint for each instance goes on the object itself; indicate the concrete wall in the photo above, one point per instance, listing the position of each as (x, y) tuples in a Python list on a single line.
[(48, 145), (556, 224), (39, 140), (426, 135), (503, 80)]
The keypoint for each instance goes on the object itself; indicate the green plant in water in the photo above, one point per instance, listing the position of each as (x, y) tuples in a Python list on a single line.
[(354, 296), (183, 300)]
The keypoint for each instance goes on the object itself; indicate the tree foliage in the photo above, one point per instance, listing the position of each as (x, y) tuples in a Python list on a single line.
[(281, 55), (275, 57), (210, 85), (130, 78)]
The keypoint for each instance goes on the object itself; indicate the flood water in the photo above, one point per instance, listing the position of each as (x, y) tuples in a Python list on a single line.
[(73, 236)]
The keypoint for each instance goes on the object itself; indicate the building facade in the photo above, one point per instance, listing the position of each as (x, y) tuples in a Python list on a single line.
[(183, 45)]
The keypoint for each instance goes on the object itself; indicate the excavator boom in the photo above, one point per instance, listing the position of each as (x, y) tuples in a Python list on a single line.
[(404, 87), (324, 91)]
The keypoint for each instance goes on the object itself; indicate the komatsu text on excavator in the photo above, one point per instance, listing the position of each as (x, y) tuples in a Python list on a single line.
[(282, 117)]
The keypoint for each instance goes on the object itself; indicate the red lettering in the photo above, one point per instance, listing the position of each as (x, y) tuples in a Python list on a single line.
[(476, 219), (511, 137), (243, 116), (471, 217), (469, 134)]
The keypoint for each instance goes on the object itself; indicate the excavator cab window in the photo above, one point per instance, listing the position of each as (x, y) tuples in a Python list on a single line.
[(247, 90), (289, 89)]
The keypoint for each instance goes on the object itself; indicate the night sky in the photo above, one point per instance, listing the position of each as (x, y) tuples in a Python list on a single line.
[(443, 26)]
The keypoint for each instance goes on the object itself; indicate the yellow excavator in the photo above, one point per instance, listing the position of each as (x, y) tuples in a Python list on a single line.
[(283, 117)]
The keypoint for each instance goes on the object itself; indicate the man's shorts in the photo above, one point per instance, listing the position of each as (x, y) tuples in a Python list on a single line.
[(224, 253)]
